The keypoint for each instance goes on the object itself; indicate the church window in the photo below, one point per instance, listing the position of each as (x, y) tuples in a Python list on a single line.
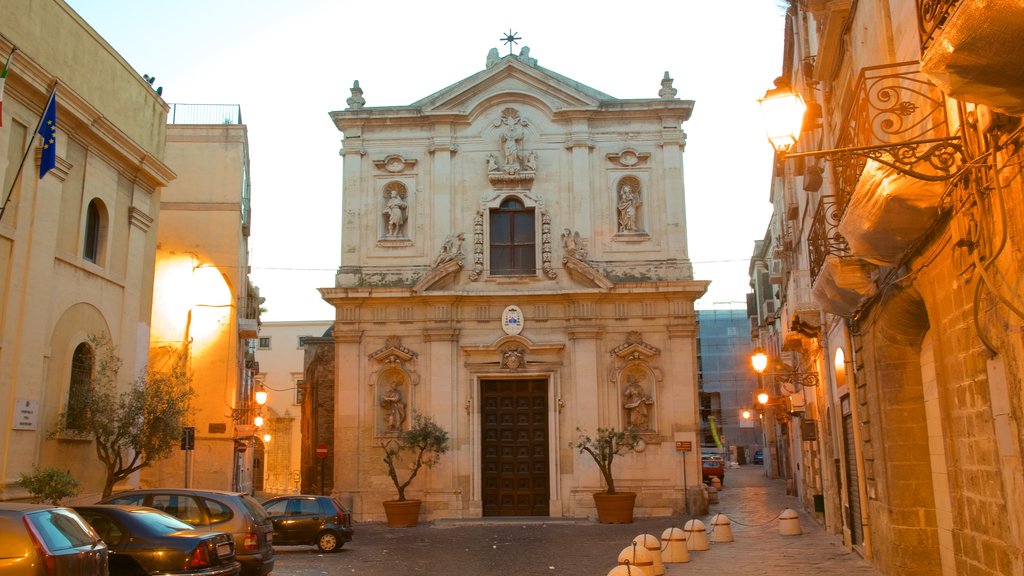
[(513, 243), (82, 364)]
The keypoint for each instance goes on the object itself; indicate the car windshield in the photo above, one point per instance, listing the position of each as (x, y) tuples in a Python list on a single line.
[(160, 522)]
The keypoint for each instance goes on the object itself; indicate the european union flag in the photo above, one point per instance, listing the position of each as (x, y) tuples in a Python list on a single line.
[(48, 130)]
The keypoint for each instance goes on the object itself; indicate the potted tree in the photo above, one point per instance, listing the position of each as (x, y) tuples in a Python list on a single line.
[(613, 507), (421, 445)]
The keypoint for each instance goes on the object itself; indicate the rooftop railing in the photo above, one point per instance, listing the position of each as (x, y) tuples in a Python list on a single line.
[(204, 114)]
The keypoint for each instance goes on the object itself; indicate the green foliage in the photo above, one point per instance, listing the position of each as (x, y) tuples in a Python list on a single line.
[(49, 485), (425, 440), (604, 446), (135, 427)]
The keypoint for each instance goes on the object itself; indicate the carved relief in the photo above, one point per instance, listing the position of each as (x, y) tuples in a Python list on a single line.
[(629, 157), (395, 209), (513, 358), (394, 163), (451, 249), (478, 246), (572, 246)]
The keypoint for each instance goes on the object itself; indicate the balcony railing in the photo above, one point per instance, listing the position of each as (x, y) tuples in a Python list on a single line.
[(890, 106), (204, 114), (931, 15), (823, 237)]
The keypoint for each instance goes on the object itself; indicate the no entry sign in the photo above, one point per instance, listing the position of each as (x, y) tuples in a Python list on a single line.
[(321, 450)]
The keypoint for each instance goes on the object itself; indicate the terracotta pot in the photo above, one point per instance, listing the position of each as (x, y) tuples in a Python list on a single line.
[(615, 508), (404, 514)]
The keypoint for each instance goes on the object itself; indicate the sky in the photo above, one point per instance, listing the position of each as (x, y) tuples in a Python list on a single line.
[(289, 64)]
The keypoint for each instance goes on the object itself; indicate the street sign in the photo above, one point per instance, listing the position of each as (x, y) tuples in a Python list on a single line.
[(684, 446), (240, 446), (321, 450), (188, 438)]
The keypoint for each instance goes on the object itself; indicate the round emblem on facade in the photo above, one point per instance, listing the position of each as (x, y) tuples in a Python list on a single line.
[(628, 158), (512, 320)]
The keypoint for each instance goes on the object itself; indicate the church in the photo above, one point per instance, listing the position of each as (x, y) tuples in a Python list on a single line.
[(514, 266)]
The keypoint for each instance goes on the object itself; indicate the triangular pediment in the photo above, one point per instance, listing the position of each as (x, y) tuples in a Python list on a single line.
[(512, 76)]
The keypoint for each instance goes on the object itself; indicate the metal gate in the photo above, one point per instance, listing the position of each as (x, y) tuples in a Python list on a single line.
[(514, 431)]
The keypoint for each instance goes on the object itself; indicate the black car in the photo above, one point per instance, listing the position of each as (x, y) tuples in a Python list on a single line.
[(147, 541), (236, 513), (759, 456), (319, 521)]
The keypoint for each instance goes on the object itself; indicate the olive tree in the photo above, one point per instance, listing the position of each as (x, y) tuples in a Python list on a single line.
[(134, 427)]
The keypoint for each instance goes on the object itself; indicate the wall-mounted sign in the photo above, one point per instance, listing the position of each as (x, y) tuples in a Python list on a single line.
[(512, 320), (26, 414)]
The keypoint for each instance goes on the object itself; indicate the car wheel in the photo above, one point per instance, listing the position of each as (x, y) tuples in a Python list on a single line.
[(327, 542)]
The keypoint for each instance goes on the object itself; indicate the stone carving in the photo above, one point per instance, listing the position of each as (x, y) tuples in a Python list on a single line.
[(637, 404), (393, 404), (513, 358), (545, 245), (573, 246), (356, 101), (511, 138), (451, 249), (478, 246), (395, 208), (667, 92)]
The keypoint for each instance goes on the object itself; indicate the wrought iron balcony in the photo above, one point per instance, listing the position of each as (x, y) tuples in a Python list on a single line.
[(823, 237), (931, 15)]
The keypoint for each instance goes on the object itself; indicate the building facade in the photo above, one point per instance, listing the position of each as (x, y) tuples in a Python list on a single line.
[(514, 265), (890, 273), (77, 244), (280, 354), (203, 301), (729, 423)]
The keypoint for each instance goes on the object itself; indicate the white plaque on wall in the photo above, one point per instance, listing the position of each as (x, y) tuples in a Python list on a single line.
[(26, 414), (512, 320)]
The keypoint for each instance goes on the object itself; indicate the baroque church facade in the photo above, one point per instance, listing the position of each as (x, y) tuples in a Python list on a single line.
[(515, 266)]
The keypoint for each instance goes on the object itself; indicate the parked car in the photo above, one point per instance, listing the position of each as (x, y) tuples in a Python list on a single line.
[(147, 541), (319, 521), (712, 465), (215, 511), (43, 540), (759, 456)]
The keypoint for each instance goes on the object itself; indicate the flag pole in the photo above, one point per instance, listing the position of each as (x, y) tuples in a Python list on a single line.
[(31, 143)]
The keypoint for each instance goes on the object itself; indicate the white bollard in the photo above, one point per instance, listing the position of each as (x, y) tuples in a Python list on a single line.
[(640, 561), (721, 528), (789, 523), (653, 546), (624, 570), (712, 495), (716, 483), (696, 537), (673, 546)]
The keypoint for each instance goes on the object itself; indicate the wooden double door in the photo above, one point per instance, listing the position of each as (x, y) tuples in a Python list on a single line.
[(514, 431)]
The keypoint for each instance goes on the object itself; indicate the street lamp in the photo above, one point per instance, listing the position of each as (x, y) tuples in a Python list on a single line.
[(784, 111), (760, 361), (261, 396)]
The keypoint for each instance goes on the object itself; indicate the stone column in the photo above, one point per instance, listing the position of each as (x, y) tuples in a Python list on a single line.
[(586, 408), (440, 400), (349, 396)]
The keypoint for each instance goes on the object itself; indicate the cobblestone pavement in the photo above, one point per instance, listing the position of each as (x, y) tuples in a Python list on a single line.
[(581, 547)]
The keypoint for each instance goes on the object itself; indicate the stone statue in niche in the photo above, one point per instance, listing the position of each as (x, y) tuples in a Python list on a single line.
[(395, 208), (511, 129), (573, 245), (629, 207), (637, 404), (393, 404)]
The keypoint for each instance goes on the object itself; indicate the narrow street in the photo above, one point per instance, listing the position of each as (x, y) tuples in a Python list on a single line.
[(581, 547)]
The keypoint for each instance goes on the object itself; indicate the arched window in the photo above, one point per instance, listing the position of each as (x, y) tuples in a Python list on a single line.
[(82, 364), (93, 229), (513, 239)]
